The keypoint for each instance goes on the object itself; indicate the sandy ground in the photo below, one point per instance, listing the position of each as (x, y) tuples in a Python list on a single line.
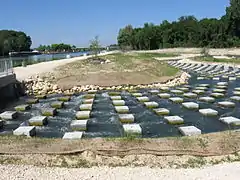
[(25, 72), (218, 172)]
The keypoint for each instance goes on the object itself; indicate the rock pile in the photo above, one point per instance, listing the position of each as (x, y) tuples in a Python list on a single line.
[(39, 86)]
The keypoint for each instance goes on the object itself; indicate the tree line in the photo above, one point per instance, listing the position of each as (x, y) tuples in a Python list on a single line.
[(56, 48), (14, 41), (187, 31)]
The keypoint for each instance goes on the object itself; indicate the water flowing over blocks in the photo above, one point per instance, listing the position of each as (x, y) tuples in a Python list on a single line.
[(57, 104), (154, 91), (230, 120), (161, 111), (190, 95), (176, 99), (25, 131), (8, 115), (49, 111), (85, 107), (79, 125), (208, 112), (83, 115), (190, 105), (164, 95), (132, 129), (236, 93), (143, 99), (235, 98), (175, 91), (122, 109), (115, 97), (189, 131), (151, 104), (174, 120), (32, 101), (207, 99), (217, 95), (73, 135), (197, 91), (38, 121), (222, 83), (226, 104), (118, 102), (126, 118), (137, 94), (23, 107), (64, 98), (87, 101)]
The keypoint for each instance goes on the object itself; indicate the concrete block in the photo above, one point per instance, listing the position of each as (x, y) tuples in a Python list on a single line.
[(190, 95), (132, 129), (219, 90), (175, 91), (164, 89), (89, 96), (161, 111), (197, 91), (114, 93), (49, 111), (184, 89), (115, 97), (176, 99), (87, 101), (230, 120), (25, 131), (41, 96), (232, 78), (122, 109), (73, 135), (164, 95), (190, 105), (143, 99), (237, 89), (174, 119), (92, 91), (23, 107), (189, 131), (237, 93), (222, 83), (200, 78), (204, 85), (226, 104), (154, 91), (235, 98), (118, 102), (137, 94), (217, 95), (85, 107), (208, 112), (38, 121), (126, 118), (64, 98), (83, 114), (8, 115), (201, 88), (151, 104), (207, 99), (57, 104), (221, 87), (32, 101), (79, 125)]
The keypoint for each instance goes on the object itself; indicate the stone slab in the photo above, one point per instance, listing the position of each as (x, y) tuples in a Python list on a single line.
[(85, 107), (217, 95), (64, 98), (164, 95), (230, 120), (198, 91), (79, 125), (83, 115), (143, 99), (174, 119), (161, 111), (122, 109), (235, 98), (219, 90), (137, 94), (176, 99), (57, 104), (25, 131), (154, 91), (175, 91), (32, 101), (164, 89), (208, 112), (207, 99), (38, 121), (236, 93), (190, 95), (222, 83), (226, 104), (126, 118), (8, 115), (190, 105), (189, 131), (87, 101), (49, 111), (151, 104), (115, 97), (23, 107), (89, 96), (118, 102), (132, 129), (73, 135)]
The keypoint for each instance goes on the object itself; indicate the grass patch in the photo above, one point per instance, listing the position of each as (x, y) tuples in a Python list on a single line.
[(212, 59), (155, 55)]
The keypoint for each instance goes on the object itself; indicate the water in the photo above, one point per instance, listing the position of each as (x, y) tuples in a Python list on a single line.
[(104, 120)]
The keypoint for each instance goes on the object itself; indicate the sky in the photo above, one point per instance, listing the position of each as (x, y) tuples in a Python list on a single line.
[(78, 21)]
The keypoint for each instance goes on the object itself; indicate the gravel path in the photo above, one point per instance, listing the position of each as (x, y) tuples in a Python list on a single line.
[(229, 171)]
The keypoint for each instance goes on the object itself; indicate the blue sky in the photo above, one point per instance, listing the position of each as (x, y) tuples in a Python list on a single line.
[(78, 21)]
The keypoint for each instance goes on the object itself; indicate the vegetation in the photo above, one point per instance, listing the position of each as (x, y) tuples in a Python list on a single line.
[(56, 48), (14, 41), (212, 59), (95, 46), (186, 32)]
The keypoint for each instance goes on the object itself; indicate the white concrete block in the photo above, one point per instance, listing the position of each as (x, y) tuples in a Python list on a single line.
[(79, 125), (237, 93), (189, 131), (143, 99), (204, 85), (190, 95), (73, 135), (174, 119), (8, 115), (161, 111), (154, 91), (237, 89), (115, 97), (219, 90), (137, 94), (165, 89), (197, 91), (235, 98), (230, 120), (23, 107), (38, 121), (122, 109), (190, 105), (118, 102), (232, 78), (216, 78), (85, 107), (83, 114), (184, 89), (176, 99), (226, 104), (25, 131), (208, 112), (164, 95), (175, 91), (222, 83), (201, 88), (87, 101), (126, 118), (132, 129), (207, 99), (151, 104), (217, 95)]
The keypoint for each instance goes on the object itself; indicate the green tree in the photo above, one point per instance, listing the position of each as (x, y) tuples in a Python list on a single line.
[(95, 46)]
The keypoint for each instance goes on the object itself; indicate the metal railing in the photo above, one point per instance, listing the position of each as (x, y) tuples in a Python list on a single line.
[(6, 67)]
